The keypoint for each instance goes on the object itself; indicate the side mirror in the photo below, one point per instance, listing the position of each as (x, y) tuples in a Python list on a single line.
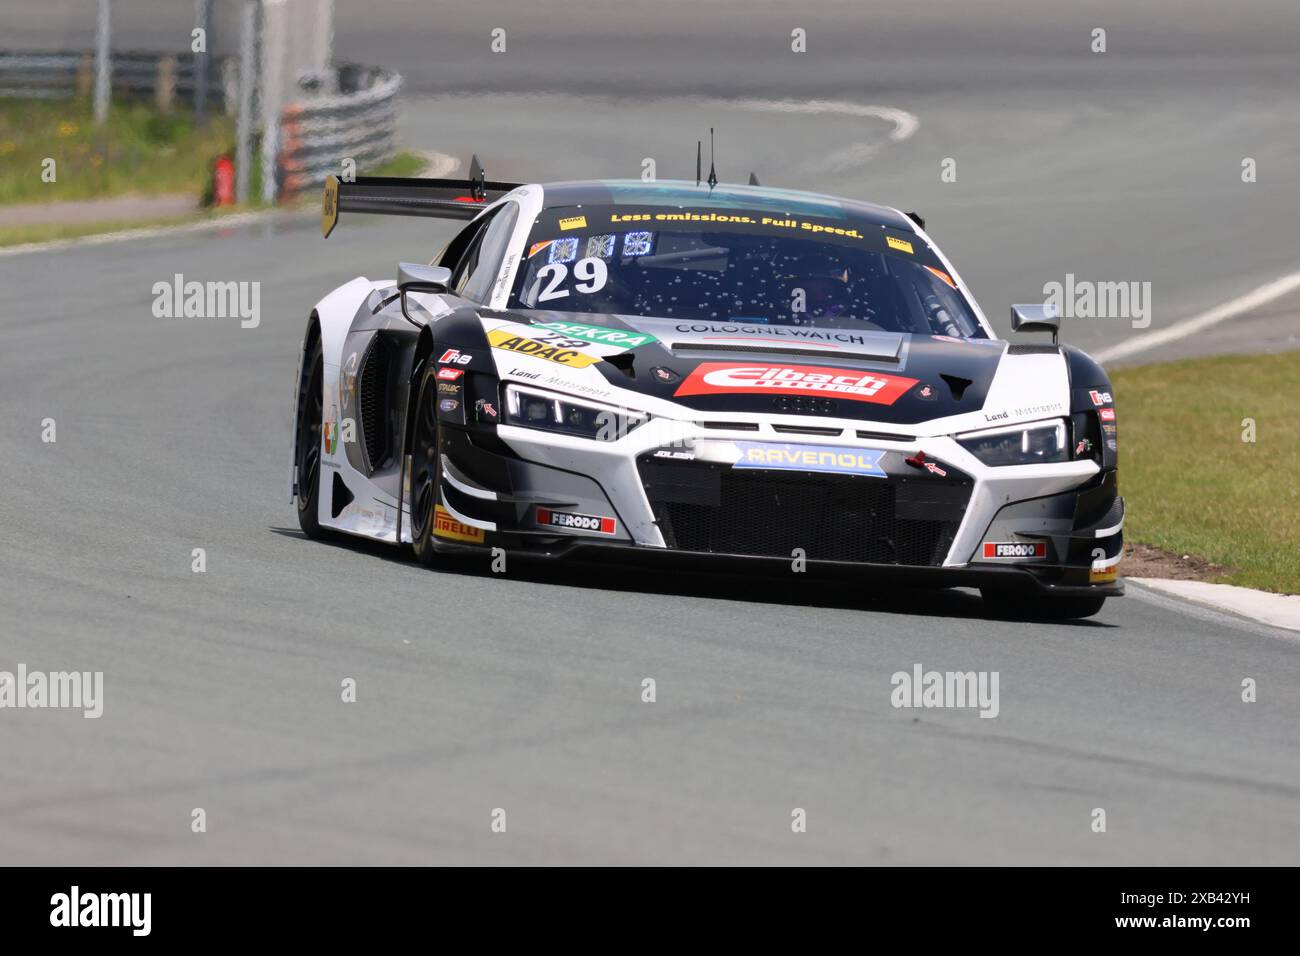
[(414, 277), (1036, 318), (418, 278)]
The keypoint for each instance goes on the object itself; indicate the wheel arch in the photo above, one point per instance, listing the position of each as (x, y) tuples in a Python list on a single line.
[(310, 336)]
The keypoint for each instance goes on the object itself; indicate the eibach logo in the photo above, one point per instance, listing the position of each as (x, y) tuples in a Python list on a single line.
[(1015, 549), (1107, 414), (720, 378), (450, 374)]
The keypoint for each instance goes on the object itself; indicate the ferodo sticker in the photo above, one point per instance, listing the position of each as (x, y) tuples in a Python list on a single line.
[(721, 378), (580, 522), (1015, 549), (550, 351), (445, 526)]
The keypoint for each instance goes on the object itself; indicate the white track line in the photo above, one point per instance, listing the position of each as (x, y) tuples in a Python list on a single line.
[(441, 165), (438, 165), (106, 238), (1144, 592), (1220, 313), (850, 157)]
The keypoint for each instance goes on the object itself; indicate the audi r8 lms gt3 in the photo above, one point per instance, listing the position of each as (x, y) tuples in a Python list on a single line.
[(627, 368)]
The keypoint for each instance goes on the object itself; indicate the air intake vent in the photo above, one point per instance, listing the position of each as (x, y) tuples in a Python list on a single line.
[(340, 496), (731, 426), (885, 436), (373, 404), (806, 430)]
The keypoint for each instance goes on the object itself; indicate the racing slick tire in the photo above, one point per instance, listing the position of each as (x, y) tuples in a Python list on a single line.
[(311, 397), (424, 468), (1014, 606)]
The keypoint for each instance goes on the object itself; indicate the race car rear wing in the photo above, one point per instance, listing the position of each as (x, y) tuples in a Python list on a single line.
[(398, 196)]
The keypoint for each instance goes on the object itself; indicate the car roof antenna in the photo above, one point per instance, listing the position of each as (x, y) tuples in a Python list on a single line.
[(713, 175), (697, 162)]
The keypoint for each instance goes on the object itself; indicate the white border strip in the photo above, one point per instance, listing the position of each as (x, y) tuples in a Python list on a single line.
[(1221, 313), (1261, 612), (125, 235)]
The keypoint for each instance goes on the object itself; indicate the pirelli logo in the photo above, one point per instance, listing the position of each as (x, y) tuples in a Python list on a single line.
[(1015, 549), (445, 526)]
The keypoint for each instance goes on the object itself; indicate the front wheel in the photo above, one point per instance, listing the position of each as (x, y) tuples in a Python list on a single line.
[(424, 468), (1010, 605)]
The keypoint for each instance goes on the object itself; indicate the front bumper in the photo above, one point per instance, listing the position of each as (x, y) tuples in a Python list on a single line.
[(643, 498)]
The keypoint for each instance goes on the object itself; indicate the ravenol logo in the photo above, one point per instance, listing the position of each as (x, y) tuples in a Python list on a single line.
[(845, 461)]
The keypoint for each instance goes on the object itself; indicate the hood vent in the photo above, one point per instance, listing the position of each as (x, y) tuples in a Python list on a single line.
[(957, 385), (782, 348), (624, 362)]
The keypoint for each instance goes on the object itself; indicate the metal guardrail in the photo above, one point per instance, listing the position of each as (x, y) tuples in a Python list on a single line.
[(356, 119), (63, 75)]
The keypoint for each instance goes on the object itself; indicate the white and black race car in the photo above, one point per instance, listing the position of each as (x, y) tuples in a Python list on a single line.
[(719, 373)]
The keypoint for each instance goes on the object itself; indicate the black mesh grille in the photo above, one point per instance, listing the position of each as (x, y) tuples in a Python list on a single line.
[(372, 403), (711, 508)]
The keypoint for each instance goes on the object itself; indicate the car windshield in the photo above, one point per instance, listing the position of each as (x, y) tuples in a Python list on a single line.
[(739, 266)]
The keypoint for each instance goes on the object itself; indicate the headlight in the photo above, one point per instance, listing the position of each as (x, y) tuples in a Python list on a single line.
[(1019, 444), (536, 409)]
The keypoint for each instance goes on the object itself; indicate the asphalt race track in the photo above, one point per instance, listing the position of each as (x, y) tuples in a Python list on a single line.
[(522, 691)]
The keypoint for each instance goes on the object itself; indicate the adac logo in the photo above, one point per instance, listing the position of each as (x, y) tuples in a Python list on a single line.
[(556, 349)]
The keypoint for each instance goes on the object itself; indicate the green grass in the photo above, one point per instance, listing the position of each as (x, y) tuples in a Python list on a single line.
[(403, 164), (1192, 485), (138, 151)]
